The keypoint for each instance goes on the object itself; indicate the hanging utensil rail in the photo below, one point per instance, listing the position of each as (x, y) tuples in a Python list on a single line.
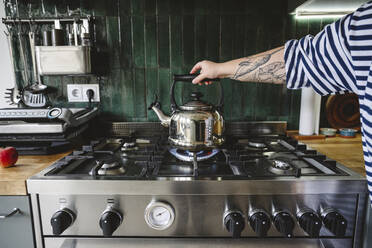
[(9, 20)]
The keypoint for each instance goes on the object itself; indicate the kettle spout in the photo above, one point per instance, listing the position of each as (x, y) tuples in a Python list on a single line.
[(164, 119)]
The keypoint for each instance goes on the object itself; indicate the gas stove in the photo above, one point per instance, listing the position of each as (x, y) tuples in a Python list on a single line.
[(136, 189)]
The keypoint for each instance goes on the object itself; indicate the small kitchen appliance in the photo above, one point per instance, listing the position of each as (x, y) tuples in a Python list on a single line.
[(260, 188), (43, 130)]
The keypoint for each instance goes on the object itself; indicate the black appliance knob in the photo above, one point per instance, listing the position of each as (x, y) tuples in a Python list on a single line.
[(335, 223), (260, 223), (110, 220), (234, 223), (310, 223), (61, 220), (284, 224)]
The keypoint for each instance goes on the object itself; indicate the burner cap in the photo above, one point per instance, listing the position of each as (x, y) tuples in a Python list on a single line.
[(256, 144), (129, 146), (188, 156), (279, 167), (280, 164), (110, 168)]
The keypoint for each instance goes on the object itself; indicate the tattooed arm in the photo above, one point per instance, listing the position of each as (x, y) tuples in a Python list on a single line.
[(266, 67)]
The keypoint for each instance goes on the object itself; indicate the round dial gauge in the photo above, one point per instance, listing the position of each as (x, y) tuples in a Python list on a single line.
[(159, 215)]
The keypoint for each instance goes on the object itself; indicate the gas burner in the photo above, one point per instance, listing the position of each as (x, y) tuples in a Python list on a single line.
[(109, 168), (188, 156), (129, 146), (256, 144), (279, 167)]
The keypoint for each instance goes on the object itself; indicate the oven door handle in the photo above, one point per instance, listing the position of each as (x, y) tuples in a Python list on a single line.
[(14, 211)]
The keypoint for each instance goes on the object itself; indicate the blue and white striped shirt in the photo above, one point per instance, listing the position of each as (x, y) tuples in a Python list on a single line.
[(338, 59)]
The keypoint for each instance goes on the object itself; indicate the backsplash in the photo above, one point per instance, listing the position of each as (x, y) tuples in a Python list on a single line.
[(141, 43)]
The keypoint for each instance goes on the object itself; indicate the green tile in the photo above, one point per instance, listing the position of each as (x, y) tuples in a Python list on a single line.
[(112, 7), (86, 7), (163, 41), (227, 22), (138, 41), (239, 37), (314, 26), (162, 6), (125, 7), (112, 27), (150, 7), (188, 40), (99, 7), (175, 7), (127, 92), (151, 91), (188, 7), (176, 41), (138, 7), (178, 91), (164, 85), (213, 38), (213, 6), (126, 55), (151, 44), (140, 105), (201, 7), (200, 37)]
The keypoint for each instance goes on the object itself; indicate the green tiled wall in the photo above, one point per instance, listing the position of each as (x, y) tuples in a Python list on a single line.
[(141, 43)]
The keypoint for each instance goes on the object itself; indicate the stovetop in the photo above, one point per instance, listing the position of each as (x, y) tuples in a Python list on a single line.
[(151, 158)]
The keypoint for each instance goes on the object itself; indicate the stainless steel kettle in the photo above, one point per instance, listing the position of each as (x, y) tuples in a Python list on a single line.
[(196, 125)]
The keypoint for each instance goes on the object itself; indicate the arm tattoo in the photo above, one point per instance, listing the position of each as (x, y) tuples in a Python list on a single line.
[(274, 70)]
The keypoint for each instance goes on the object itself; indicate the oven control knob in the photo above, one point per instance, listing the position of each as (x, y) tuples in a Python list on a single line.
[(61, 220), (234, 223), (260, 223), (110, 220), (284, 224), (334, 222), (310, 223)]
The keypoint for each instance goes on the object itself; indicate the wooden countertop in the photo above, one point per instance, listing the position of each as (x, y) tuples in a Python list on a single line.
[(347, 151), (13, 179)]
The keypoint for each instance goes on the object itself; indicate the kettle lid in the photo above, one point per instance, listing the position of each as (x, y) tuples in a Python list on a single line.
[(196, 103)]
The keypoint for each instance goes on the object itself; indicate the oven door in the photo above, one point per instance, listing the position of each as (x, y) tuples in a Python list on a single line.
[(191, 243)]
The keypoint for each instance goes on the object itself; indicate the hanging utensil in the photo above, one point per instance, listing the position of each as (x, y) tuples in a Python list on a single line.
[(34, 100), (37, 86), (22, 55), (13, 94)]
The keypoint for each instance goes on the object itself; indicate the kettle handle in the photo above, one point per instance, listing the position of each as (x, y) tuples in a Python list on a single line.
[(189, 78)]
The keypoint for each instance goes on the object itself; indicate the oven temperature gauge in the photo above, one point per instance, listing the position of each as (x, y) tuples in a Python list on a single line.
[(159, 215)]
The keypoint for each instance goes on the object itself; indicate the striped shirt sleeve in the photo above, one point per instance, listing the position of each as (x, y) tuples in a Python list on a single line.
[(322, 62)]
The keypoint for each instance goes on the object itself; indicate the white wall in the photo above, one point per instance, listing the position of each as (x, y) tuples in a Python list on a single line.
[(6, 75)]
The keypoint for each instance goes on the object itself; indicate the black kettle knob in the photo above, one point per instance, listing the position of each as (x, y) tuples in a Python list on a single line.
[(110, 220), (284, 224), (260, 223), (196, 96), (310, 223), (61, 220), (234, 223), (335, 223)]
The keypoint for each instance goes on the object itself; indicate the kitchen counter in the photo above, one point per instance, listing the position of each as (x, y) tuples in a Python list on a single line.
[(347, 151), (13, 179)]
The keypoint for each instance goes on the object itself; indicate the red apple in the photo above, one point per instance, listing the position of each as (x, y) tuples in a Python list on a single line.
[(8, 156)]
